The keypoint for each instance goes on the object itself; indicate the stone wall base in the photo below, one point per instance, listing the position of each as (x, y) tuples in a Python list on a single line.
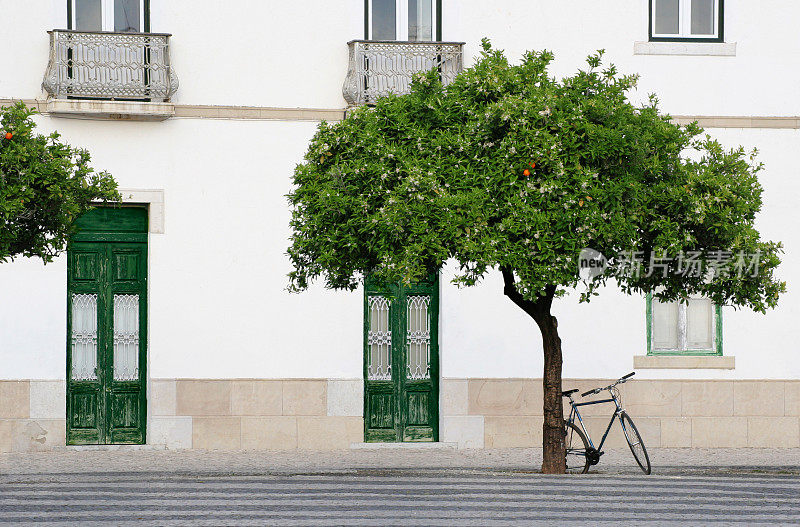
[(327, 414), (668, 413)]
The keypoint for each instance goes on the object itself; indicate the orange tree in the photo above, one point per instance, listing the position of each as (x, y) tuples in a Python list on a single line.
[(510, 169), (44, 185)]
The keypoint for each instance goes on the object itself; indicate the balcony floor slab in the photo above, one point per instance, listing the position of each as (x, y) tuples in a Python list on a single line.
[(112, 110)]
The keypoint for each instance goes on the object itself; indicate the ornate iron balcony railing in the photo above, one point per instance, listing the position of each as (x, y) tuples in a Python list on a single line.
[(378, 68), (109, 65)]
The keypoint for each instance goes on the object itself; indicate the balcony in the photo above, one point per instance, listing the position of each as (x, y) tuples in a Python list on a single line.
[(107, 66), (378, 68)]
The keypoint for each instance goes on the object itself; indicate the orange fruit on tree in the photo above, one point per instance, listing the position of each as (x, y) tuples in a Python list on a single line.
[(9, 135), (533, 165), (526, 172)]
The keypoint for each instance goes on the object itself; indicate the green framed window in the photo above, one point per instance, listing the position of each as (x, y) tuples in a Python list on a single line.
[(684, 328), (686, 20)]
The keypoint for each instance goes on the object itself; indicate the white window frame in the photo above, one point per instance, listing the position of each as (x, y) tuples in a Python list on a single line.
[(685, 23), (683, 340), (401, 20), (106, 15)]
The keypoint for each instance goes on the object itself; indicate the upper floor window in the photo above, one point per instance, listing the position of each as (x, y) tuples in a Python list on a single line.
[(677, 328), (686, 20), (129, 16), (411, 20)]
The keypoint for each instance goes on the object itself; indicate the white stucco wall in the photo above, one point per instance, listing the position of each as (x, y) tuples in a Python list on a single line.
[(217, 275), (759, 80), (294, 54), (217, 305)]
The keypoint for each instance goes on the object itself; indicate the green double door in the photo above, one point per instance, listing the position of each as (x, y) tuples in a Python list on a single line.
[(401, 363), (107, 328)]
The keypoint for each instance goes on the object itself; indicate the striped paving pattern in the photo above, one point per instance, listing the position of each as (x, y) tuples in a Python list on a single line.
[(394, 497)]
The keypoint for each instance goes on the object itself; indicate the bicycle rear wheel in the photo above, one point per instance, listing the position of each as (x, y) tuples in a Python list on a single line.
[(635, 442), (576, 446)]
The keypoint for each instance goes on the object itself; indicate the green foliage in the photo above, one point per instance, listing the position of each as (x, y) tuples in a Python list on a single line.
[(397, 189), (44, 185)]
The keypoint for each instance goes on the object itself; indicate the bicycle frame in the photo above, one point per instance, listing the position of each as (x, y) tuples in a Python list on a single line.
[(575, 412)]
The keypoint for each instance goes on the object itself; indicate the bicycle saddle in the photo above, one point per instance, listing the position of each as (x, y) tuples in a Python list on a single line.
[(567, 392)]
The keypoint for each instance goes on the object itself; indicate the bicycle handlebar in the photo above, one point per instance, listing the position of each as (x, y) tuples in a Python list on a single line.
[(619, 381)]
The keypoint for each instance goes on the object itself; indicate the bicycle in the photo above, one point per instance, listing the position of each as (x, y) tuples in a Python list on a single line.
[(581, 452)]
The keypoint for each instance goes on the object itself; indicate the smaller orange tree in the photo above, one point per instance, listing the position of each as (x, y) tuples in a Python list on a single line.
[(44, 186), (507, 168)]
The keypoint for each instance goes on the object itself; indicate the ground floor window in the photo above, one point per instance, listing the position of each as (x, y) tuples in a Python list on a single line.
[(693, 327)]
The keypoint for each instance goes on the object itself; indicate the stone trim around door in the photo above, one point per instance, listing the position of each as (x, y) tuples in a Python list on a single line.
[(154, 199), (325, 414)]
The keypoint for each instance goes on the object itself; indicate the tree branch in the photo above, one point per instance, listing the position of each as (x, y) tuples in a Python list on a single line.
[(510, 290), (537, 309)]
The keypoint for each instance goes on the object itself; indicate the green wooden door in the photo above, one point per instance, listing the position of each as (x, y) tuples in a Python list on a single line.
[(107, 328), (401, 363)]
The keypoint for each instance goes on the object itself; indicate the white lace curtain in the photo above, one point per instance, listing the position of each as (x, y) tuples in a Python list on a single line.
[(84, 337), (126, 337)]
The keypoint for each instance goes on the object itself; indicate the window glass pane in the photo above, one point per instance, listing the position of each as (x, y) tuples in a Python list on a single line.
[(420, 20), (126, 337), (418, 338), (379, 340), (703, 17), (699, 324), (666, 17), (384, 20), (126, 15), (88, 15), (84, 337), (665, 325)]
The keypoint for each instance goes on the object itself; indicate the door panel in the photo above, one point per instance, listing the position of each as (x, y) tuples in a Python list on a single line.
[(126, 351), (380, 423), (85, 341), (86, 266), (418, 413), (401, 397), (125, 417), (83, 415), (106, 353)]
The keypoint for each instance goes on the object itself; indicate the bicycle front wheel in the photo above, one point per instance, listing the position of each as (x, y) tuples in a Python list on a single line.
[(635, 442), (576, 446)]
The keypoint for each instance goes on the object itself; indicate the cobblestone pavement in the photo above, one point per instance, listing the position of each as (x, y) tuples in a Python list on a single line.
[(395, 487)]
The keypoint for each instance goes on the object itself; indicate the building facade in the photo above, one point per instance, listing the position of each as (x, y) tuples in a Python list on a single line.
[(168, 323)]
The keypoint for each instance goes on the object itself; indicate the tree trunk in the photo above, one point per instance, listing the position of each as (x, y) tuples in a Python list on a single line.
[(553, 431), (554, 454)]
